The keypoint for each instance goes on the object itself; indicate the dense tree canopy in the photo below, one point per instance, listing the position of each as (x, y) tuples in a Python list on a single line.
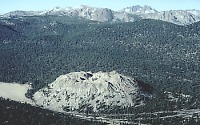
[(39, 49)]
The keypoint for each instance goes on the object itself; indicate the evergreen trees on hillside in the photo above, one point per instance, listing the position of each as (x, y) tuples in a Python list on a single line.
[(14, 113), (160, 53)]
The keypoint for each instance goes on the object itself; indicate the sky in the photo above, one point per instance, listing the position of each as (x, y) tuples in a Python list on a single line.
[(160, 5)]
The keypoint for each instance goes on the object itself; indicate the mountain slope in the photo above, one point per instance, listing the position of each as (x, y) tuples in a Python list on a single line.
[(8, 34), (15, 113)]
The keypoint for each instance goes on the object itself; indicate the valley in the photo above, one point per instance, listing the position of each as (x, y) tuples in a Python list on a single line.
[(117, 71)]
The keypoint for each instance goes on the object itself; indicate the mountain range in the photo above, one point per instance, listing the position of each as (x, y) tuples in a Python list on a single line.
[(128, 14)]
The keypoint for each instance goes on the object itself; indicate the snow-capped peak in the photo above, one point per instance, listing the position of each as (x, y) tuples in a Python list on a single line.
[(139, 9), (57, 9), (82, 7), (81, 91), (194, 12)]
